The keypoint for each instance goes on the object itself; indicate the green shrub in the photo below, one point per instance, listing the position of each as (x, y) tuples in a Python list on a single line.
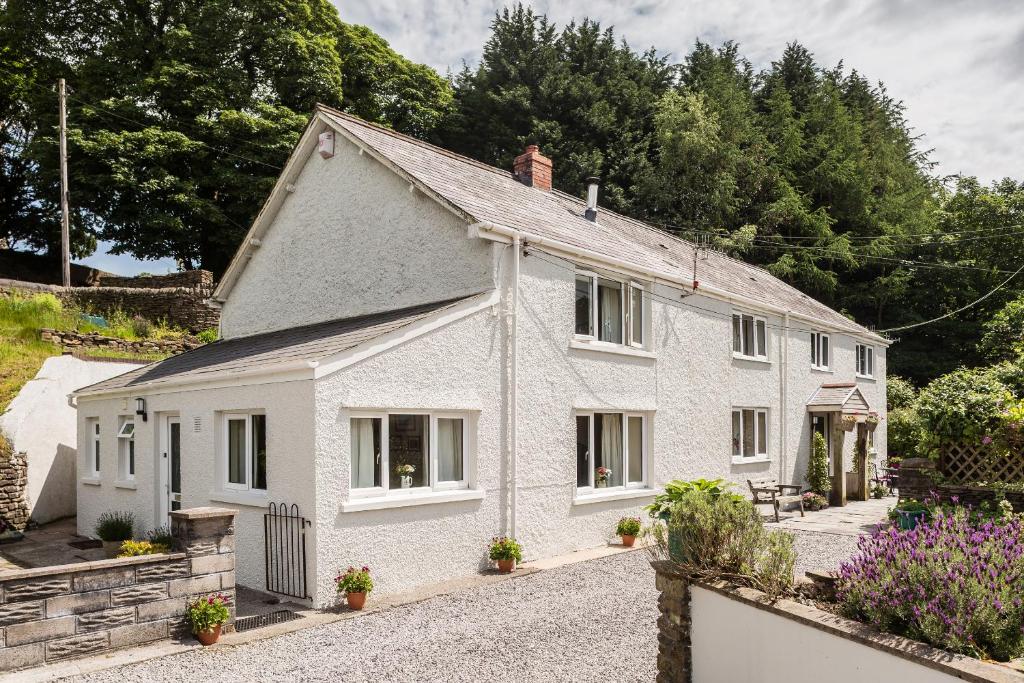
[(115, 526), (161, 536), (208, 335), (904, 433), (1003, 337), (674, 490), (963, 405), (141, 328), (817, 467), (900, 393), (723, 537), (137, 548)]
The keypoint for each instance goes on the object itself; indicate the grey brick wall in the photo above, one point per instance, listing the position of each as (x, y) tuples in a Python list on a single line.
[(49, 614)]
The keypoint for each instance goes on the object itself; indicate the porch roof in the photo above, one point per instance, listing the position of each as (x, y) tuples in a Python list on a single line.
[(838, 397), (266, 352)]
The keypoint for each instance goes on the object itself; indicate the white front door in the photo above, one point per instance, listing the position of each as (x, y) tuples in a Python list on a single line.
[(170, 479)]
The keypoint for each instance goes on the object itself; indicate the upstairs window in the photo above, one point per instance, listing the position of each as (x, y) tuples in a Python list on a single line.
[(820, 352), (749, 336), (865, 360), (608, 310), (749, 434), (93, 428), (245, 448), (126, 450)]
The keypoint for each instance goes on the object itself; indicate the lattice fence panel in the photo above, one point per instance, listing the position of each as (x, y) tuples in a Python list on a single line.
[(973, 463)]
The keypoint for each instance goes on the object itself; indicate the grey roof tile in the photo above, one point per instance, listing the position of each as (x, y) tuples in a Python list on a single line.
[(260, 351), (486, 194)]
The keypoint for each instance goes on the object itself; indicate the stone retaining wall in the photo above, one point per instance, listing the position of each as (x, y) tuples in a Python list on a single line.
[(919, 479), (13, 479), (50, 614), (187, 279), (77, 341), (185, 307)]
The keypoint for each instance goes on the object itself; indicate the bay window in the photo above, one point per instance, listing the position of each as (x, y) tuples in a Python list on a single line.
[(608, 310), (865, 360), (126, 450), (408, 452), (749, 336), (820, 352), (749, 434), (245, 450), (611, 450)]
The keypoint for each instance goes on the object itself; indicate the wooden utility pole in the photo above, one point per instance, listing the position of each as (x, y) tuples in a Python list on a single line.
[(65, 220)]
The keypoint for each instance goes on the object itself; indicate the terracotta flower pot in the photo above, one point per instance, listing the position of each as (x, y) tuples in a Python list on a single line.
[(355, 600), (209, 636), (628, 540), (506, 566), (111, 549)]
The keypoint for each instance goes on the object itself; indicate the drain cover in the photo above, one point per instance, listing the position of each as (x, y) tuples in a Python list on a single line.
[(262, 620)]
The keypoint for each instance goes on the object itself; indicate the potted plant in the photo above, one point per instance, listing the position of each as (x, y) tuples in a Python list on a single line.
[(355, 584), (909, 513), (814, 501), (601, 476), (878, 491), (114, 528), (506, 552), (205, 616), (404, 473), (628, 528)]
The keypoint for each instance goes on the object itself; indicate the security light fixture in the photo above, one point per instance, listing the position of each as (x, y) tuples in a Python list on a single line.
[(140, 408)]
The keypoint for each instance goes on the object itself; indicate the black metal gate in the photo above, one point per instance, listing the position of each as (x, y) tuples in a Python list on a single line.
[(284, 540)]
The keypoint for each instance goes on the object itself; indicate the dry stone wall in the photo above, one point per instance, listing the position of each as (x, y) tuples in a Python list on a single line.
[(78, 342), (50, 614), (13, 478)]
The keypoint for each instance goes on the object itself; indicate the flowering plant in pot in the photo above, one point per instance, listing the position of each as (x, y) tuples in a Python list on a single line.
[(628, 528), (355, 584), (909, 512), (405, 472), (814, 501), (506, 552), (601, 476), (205, 616)]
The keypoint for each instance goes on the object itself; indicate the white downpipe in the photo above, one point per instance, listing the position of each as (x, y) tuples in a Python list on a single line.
[(514, 389), (714, 292), (783, 390)]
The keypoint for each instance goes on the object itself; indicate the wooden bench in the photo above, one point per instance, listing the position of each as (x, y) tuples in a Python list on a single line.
[(771, 492)]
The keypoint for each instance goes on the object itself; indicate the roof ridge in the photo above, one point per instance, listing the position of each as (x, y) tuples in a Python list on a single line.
[(422, 143)]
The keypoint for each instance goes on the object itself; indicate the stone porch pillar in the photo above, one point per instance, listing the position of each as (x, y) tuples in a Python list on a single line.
[(838, 470), (674, 658), (207, 536)]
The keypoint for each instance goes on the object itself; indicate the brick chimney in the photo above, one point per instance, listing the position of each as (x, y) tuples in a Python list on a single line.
[(533, 168)]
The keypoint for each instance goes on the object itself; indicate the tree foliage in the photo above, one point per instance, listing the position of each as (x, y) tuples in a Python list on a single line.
[(1003, 337)]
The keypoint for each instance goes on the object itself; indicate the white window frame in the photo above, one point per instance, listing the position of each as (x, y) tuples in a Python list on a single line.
[(385, 457), (127, 457), (757, 456), (820, 341), (636, 289), (93, 427), (590, 489), (755, 320), (869, 360), (250, 444), (626, 292)]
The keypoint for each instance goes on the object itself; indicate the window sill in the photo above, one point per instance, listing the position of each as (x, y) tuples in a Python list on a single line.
[(870, 378), (751, 359), (616, 494), (740, 460), (258, 500), (399, 501), (92, 481), (815, 368), (607, 347), (124, 484)]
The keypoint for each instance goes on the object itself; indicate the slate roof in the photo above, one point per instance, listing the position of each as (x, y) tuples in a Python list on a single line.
[(838, 396), (243, 355), (482, 193)]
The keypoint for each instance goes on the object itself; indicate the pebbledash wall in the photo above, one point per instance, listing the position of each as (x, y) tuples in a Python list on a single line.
[(717, 633), (51, 614), (182, 299)]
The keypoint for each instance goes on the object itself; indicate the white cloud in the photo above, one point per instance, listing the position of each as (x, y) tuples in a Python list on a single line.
[(957, 65)]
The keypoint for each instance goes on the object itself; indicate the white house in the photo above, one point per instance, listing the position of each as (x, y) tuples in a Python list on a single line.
[(397, 304)]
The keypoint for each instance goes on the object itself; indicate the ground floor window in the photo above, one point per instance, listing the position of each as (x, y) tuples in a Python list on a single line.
[(245, 448), (611, 450), (93, 427), (400, 452), (126, 450), (749, 433)]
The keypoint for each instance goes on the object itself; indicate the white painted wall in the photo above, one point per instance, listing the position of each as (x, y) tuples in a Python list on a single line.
[(732, 642), (40, 423), (352, 239), (289, 410)]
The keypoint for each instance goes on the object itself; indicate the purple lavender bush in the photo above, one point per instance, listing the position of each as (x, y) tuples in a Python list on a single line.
[(953, 582)]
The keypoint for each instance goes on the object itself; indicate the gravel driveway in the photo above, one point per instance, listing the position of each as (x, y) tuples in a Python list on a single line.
[(589, 621)]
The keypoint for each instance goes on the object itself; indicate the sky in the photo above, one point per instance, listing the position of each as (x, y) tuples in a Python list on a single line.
[(958, 66)]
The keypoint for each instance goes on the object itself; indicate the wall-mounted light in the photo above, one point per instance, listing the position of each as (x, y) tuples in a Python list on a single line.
[(140, 408)]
